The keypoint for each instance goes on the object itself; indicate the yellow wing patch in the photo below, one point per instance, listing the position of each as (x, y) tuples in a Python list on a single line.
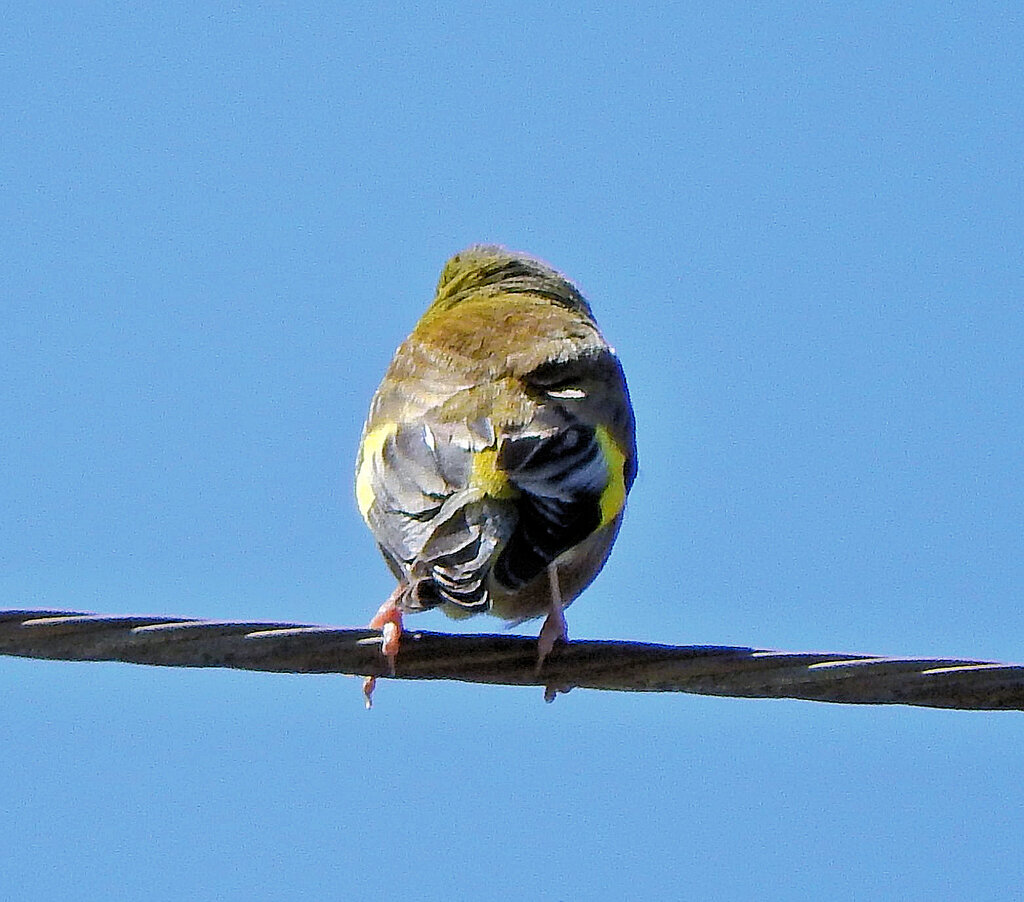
[(488, 477), (372, 448), (613, 498)]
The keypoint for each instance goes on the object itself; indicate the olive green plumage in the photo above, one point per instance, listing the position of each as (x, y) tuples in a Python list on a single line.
[(500, 444)]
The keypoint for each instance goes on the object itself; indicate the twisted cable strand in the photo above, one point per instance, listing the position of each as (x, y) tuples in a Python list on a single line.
[(511, 660)]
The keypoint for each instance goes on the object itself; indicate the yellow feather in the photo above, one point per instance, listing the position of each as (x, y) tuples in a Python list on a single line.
[(488, 478), (373, 446), (613, 498)]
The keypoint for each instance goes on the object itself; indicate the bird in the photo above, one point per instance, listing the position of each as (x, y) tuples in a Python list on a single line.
[(498, 451)]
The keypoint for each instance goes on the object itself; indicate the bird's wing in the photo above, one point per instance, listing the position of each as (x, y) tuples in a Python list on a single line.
[(438, 515), (450, 501), (571, 466)]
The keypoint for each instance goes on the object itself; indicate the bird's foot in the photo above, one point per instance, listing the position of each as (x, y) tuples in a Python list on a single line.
[(554, 630), (388, 620), (552, 691), (369, 684)]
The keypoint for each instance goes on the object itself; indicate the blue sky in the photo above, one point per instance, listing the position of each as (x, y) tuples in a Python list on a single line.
[(800, 225)]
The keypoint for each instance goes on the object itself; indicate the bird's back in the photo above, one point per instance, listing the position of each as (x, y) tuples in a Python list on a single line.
[(500, 441)]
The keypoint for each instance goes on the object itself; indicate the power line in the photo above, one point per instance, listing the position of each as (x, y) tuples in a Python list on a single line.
[(511, 660)]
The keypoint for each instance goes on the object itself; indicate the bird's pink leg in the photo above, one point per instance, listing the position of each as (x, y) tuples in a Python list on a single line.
[(554, 628), (388, 620)]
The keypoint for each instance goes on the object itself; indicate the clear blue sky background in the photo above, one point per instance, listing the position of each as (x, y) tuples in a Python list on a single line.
[(801, 225)]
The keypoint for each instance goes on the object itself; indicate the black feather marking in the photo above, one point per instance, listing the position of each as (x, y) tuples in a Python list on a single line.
[(560, 476)]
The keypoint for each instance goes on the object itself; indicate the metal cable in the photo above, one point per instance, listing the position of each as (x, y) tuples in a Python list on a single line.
[(511, 660)]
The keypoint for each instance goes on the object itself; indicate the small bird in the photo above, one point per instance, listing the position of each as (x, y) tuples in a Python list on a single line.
[(498, 451)]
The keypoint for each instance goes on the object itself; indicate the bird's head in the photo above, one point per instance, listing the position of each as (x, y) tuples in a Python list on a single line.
[(488, 269)]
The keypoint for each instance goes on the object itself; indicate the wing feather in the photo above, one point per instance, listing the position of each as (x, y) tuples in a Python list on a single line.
[(456, 503)]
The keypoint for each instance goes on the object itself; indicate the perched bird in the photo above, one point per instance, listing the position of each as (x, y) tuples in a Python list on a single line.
[(499, 448)]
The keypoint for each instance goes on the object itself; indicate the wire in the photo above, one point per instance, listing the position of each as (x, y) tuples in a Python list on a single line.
[(511, 660)]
